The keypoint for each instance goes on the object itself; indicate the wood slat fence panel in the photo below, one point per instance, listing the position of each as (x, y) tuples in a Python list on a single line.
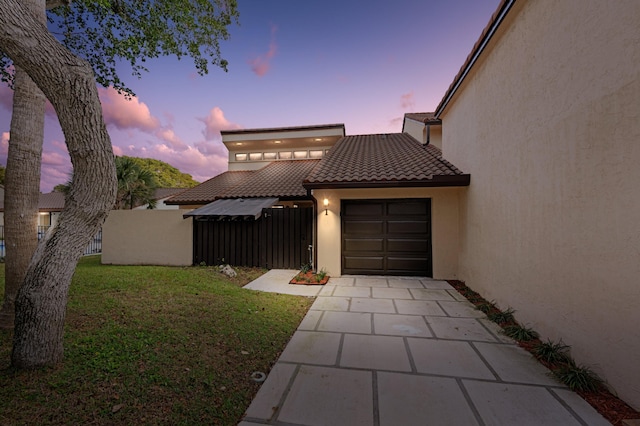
[(279, 239)]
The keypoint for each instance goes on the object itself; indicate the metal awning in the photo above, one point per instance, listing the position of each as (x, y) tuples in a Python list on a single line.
[(232, 209)]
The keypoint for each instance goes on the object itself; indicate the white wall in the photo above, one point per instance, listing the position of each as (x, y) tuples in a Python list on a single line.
[(547, 124), (147, 237)]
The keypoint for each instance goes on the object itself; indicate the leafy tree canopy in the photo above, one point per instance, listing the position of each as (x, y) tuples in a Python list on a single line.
[(166, 175), (108, 33)]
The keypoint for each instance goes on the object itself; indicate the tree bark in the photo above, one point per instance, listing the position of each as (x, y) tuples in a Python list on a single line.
[(22, 182), (68, 82), (22, 188)]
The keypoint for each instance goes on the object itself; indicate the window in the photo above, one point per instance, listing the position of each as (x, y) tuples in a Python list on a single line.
[(255, 156), (315, 154), (299, 154), (269, 155), (241, 157), (284, 155)]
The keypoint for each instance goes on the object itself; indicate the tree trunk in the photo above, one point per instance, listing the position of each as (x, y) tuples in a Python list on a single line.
[(22, 181), (22, 188), (69, 84)]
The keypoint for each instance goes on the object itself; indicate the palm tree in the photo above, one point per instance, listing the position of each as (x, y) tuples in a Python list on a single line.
[(136, 186)]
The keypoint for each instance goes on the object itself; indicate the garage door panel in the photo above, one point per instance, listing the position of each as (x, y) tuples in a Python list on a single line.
[(370, 263), (418, 266), (407, 246), (364, 210), (407, 227), (364, 227), (388, 237), (364, 245), (418, 208)]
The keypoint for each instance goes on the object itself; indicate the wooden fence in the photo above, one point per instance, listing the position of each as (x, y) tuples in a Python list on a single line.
[(279, 239)]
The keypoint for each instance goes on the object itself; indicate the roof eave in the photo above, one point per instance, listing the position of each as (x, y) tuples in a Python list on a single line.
[(478, 48), (436, 181)]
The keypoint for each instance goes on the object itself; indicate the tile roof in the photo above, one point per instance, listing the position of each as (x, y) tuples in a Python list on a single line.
[(161, 193), (278, 179), (424, 117), (51, 202), (395, 159), (211, 189)]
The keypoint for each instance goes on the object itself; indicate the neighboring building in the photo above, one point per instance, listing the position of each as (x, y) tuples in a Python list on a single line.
[(545, 115), (49, 207)]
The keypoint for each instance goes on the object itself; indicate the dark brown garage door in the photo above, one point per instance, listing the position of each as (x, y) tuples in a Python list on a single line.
[(386, 237)]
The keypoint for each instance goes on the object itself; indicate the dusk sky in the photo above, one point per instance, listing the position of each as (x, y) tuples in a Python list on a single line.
[(291, 63)]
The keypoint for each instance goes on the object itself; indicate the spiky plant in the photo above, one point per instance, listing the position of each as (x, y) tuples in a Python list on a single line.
[(519, 333), (502, 317), (579, 377), (487, 307), (553, 353)]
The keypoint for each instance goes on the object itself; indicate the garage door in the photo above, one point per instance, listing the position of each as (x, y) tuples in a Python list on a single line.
[(386, 237)]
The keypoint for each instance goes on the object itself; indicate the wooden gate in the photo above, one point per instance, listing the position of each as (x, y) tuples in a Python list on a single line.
[(279, 239)]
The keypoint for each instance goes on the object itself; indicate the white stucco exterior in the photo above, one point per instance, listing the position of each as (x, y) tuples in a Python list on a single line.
[(547, 124)]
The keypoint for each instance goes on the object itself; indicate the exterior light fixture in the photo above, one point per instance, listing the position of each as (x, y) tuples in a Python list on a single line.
[(326, 206), (277, 141), (318, 139)]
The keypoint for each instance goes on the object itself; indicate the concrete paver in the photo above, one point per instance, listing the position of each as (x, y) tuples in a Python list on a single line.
[(406, 399), (508, 404), (430, 294), (318, 397), (419, 307), (312, 348), (404, 351), (372, 305), (448, 358), (401, 325), (459, 329), (346, 322), (375, 353)]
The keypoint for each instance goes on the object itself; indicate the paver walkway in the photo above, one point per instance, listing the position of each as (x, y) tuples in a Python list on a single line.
[(407, 351)]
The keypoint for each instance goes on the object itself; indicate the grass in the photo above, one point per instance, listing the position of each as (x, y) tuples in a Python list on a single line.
[(150, 345)]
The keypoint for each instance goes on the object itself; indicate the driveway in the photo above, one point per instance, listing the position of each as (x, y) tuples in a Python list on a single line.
[(405, 351)]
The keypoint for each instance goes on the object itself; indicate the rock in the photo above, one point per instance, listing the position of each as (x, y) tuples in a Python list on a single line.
[(228, 271)]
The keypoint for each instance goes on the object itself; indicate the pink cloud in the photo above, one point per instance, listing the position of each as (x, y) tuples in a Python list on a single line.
[(261, 64), (4, 146), (216, 121), (169, 136), (126, 113), (50, 158), (407, 101), (211, 148)]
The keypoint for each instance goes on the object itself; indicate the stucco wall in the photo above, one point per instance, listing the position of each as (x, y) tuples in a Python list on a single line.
[(147, 237), (418, 130), (547, 123), (444, 225)]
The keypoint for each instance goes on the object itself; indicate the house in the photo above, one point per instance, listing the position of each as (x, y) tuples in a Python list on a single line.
[(49, 207), (523, 183)]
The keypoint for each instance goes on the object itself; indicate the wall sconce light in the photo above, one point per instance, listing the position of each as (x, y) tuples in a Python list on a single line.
[(326, 206)]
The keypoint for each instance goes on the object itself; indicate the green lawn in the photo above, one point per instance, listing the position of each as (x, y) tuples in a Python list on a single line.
[(153, 345)]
